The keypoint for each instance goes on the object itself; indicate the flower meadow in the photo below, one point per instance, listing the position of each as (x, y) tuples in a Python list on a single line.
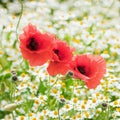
[(59, 60)]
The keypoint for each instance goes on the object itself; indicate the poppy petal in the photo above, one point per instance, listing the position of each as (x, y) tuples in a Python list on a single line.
[(55, 68)]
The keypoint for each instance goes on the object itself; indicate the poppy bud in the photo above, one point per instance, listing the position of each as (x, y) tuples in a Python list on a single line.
[(14, 78), (13, 72), (104, 105), (70, 74), (62, 100), (11, 107)]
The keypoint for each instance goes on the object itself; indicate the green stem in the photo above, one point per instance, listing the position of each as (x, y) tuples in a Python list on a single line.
[(1, 33), (52, 86), (108, 112), (58, 111), (48, 93), (20, 1), (49, 81), (13, 116)]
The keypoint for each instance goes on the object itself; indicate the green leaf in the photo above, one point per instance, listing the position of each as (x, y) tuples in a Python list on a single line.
[(61, 105), (69, 82), (32, 77), (3, 114), (113, 98), (27, 105), (67, 94), (51, 102), (26, 64), (18, 113), (91, 29), (67, 38), (52, 11), (5, 96), (2, 88), (8, 35), (42, 88), (14, 44), (101, 116), (4, 62), (8, 75)]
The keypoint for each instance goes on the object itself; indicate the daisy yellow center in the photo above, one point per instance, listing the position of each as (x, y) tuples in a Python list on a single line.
[(55, 112), (79, 115), (34, 119), (75, 100), (22, 117), (86, 114), (55, 91), (67, 106)]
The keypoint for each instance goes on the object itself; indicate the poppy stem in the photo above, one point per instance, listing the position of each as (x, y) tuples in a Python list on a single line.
[(1, 34), (20, 1), (73, 89)]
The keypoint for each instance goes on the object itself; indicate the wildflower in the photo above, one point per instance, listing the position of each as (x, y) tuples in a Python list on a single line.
[(35, 46), (55, 92), (86, 114), (75, 100), (62, 55), (67, 107), (54, 114), (21, 118), (89, 68)]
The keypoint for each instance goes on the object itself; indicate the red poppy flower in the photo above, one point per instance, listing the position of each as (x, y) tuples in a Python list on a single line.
[(36, 47), (62, 56), (89, 68)]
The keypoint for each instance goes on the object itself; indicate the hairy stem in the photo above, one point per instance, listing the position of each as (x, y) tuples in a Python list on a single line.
[(21, 11)]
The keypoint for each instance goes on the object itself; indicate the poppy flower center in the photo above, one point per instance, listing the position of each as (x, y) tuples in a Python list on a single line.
[(56, 51), (33, 45), (81, 69)]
